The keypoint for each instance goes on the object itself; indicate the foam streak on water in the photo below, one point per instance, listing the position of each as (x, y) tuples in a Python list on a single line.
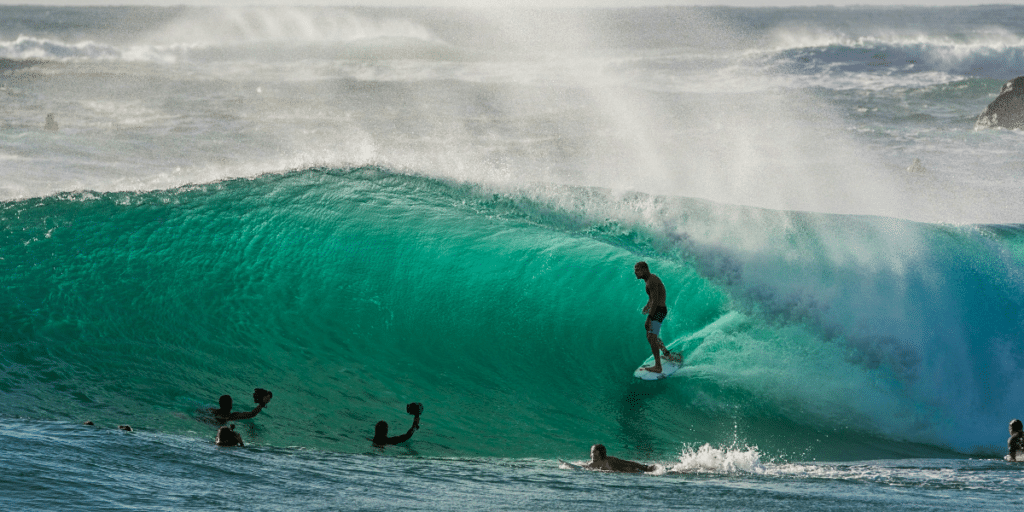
[(359, 208)]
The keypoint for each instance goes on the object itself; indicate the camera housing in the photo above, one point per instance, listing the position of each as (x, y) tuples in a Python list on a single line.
[(261, 396), (414, 408)]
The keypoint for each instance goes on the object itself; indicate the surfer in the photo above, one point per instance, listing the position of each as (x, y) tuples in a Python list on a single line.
[(224, 414), (656, 312), (380, 432), (1015, 444), (226, 436), (599, 459)]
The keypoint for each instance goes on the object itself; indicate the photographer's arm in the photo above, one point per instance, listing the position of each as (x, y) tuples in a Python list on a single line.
[(246, 415)]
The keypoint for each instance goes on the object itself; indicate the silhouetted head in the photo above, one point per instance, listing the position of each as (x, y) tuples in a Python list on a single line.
[(641, 270), (226, 436), (381, 430), (225, 404), (1016, 426), (598, 452)]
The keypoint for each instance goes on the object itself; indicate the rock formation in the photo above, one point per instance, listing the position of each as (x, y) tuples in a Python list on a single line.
[(1007, 110)]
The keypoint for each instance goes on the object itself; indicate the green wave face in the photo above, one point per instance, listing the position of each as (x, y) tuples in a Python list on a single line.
[(513, 316)]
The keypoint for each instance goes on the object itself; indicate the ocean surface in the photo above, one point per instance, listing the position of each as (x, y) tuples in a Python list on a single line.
[(360, 208)]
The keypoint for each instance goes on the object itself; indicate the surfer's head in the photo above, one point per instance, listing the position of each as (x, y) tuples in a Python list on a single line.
[(1016, 426), (641, 270), (225, 404), (381, 430), (598, 452)]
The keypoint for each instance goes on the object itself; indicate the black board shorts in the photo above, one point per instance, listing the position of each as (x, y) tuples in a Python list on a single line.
[(658, 315)]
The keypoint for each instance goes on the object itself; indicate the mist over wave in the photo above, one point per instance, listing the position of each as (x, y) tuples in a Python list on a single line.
[(352, 292), (679, 101), (377, 206)]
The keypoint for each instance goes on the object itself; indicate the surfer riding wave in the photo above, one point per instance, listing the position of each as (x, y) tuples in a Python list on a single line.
[(656, 311)]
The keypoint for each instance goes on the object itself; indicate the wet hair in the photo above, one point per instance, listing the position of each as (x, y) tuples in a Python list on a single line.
[(642, 264), (381, 430), (226, 436), (601, 451), (1016, 426), (225, 403)]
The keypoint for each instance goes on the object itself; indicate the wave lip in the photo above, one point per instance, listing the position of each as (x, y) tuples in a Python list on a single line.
[(299, 271)]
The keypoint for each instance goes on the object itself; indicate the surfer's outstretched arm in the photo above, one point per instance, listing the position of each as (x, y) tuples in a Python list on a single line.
[(245, 415), (224, 414), (380, 435)]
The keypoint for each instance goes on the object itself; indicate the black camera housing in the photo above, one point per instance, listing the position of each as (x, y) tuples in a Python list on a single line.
[(261, 396), (414, 408)]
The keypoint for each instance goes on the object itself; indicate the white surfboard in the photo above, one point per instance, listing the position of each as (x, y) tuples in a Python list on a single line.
[(570, 465), (667, 368)]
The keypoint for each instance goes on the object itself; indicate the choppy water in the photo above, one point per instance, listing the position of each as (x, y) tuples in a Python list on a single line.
[(362, 208)]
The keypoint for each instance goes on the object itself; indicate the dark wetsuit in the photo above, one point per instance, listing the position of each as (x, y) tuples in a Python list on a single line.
[(393, 440), (380, 435), (628, 466), (228, 437), (1015, 444), (219, 415)]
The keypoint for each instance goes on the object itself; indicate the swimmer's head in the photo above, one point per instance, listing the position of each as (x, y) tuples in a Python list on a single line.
[(226, 436), (598, 452), (1016, 426), (381, 430), (225, 403)]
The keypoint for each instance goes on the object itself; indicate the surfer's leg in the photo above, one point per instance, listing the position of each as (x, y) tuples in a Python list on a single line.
[(673, 357), (653, 329), (668, 355), (654, 342)]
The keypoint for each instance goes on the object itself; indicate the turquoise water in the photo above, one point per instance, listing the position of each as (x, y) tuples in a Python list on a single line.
[(362, 208), (352, 292), (102, 469)]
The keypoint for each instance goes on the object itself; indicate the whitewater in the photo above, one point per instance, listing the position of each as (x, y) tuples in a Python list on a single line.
[(359, 208)]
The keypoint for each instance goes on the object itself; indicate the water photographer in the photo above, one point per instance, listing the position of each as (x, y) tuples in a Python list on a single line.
[(380, 433)]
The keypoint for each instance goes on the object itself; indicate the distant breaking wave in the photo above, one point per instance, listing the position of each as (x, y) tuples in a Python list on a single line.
[(997, 54), (201, 30), (26, 48), (46, 49)]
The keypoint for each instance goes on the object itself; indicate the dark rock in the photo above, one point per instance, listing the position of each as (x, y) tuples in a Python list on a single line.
[(1007, 110)]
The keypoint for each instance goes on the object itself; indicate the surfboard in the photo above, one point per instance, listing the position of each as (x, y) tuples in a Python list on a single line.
[(570, 464), (667, 368)]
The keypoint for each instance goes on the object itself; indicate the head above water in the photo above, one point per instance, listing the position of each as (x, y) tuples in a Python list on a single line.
[(641, 270), (598, 452), (1016, 426), (381, 430), (225, 403)]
